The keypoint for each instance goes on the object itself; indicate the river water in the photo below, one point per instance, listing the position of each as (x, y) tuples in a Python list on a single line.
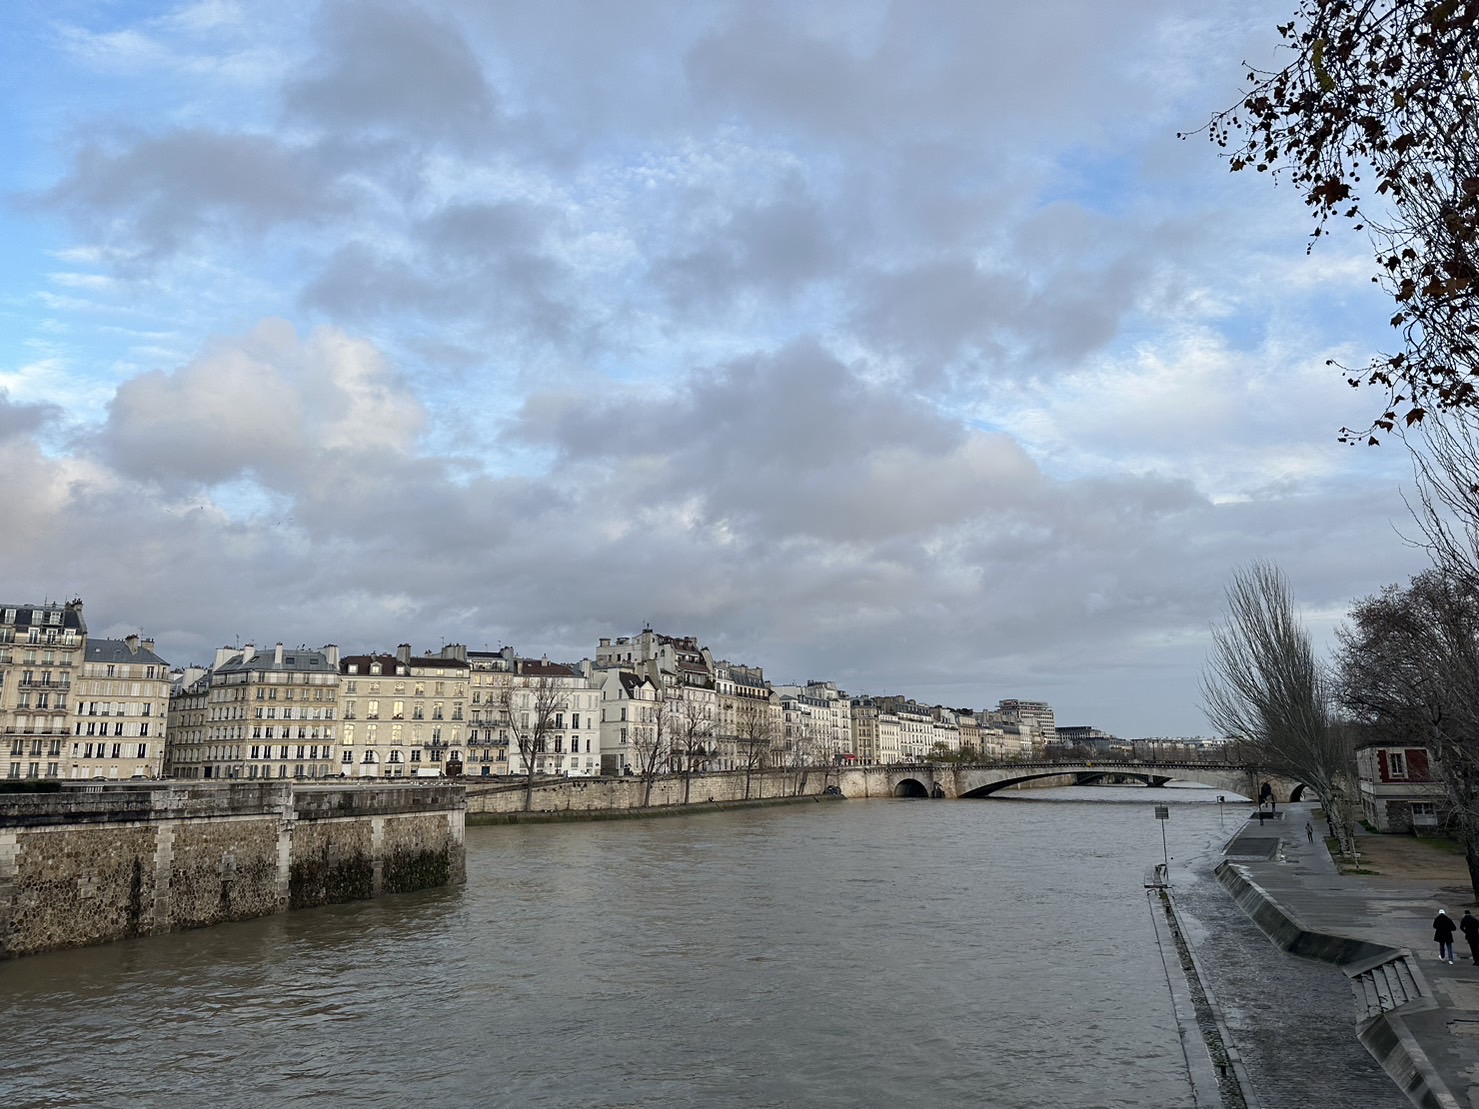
[(866, 953)]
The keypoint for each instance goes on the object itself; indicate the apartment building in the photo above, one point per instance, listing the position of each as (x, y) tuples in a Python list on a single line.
[(41, 652), (122, 710), (554, 707), (403, 715), (257, 714), (744, 735)]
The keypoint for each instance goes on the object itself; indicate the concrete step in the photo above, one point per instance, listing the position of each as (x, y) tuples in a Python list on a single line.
[(1384, 987)]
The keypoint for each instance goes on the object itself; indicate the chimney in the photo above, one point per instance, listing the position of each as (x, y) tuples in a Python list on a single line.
[(133, 643), (403, 652), (331, 652), (277, 655), (249, 652), (222, 654), (148, 645)]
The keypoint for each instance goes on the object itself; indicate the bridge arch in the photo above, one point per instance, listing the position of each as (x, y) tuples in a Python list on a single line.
[(910, 787)]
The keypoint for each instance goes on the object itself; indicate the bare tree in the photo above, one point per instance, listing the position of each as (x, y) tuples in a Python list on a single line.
[(1410, 666), (1264, 687), (754, 741), (651, 736), (528, 712), (693, 732)]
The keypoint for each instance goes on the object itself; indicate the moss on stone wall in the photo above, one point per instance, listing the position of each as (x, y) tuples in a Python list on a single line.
[(408, 870), (322, 881)]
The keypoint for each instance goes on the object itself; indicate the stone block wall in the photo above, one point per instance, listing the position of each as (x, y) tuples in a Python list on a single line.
[(596, 795), (87, 865)]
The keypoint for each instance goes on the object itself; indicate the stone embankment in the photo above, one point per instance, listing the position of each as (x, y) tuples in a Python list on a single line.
[(560, 799), (93, 864)]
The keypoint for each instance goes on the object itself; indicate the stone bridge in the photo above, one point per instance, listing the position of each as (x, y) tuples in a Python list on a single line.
[(949, 781)]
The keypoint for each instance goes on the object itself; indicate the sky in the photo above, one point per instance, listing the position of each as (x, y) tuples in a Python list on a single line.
[(902, 345)]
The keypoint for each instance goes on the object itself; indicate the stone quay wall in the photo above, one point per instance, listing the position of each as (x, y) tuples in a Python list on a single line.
[(598, 798), (103, 863)]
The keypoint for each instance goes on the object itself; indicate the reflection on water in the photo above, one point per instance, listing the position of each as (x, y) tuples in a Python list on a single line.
[(993, 952)]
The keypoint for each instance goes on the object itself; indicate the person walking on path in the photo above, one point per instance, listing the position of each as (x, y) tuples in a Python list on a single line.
[(1309, 831), (1469, 926), (1443, 929)]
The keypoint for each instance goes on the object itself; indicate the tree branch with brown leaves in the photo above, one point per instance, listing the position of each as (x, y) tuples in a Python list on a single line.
[(1376, 123)]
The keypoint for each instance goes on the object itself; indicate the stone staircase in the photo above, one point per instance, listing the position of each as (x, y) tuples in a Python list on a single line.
[(1385, 985)]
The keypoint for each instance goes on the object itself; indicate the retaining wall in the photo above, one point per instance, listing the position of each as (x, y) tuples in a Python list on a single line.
[(95, 864)]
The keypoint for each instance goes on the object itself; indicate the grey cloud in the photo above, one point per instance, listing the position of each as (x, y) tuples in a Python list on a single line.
[(156, 194), (17, 420), (392, 69), (495, 265), (773, 247)]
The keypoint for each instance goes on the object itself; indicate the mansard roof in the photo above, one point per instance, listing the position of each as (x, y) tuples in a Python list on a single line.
[(121, 650), (42, 615)]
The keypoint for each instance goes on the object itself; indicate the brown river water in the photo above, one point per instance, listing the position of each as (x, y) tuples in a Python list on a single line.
[(867, 953)]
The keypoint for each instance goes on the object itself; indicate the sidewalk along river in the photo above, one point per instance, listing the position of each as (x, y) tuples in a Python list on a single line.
[(995, 952)]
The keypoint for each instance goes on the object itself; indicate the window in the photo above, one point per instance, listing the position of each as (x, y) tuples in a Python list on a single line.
[(1396, 764), (372, 710), (398, 711)]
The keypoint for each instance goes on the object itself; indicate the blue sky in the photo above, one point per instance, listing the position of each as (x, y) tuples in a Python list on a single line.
[(898, 344)]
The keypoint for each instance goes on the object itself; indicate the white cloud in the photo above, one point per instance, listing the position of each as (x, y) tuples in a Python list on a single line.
[(904, 345)]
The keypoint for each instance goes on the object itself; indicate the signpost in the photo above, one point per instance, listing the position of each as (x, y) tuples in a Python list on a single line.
[(1163, 814)]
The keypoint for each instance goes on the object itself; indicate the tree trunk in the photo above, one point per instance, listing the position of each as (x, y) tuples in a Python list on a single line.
[(747, 783), (687, 780), (1471, 856), (528, 790)]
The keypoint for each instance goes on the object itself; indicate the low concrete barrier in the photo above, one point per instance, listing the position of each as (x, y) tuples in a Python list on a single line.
[(1386, 1035)]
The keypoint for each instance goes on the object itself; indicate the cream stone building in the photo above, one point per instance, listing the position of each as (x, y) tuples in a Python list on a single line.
[(555, 706), (41, 655), (122, 710), (744, 733), (257, 714), (404, 715)]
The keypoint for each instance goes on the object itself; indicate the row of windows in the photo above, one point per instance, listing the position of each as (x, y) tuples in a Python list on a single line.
[(305, 751), (115, 708), (121, 727), (398, 711), (86, 751)]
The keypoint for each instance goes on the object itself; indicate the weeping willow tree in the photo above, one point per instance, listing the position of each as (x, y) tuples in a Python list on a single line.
[(1264, 687)]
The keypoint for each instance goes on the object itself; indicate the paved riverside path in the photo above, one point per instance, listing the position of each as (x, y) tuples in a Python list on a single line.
[(1294, 1019)]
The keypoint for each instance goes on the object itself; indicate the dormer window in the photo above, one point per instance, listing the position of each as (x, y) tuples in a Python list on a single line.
[(374, 668)]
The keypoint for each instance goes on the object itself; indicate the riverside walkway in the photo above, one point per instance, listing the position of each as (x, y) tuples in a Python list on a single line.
[(1297, 1020)]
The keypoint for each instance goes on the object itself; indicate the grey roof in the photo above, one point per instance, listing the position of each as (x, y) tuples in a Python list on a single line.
[(121, 650), (300, 659), (33, 615)]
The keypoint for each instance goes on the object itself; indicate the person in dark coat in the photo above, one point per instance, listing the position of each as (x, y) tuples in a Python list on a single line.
[(1443, 929), (1469, 926)]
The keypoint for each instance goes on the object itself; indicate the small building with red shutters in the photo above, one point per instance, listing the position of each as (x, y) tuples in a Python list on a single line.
[(1399, 790)]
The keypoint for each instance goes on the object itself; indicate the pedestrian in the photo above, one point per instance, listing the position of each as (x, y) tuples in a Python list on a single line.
[(1469, 926), (1309, 831), (1443, 929)]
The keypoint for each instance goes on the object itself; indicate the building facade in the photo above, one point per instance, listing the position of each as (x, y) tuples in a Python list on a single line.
[(1399, 790), (258, 714), (41, 653), (122, 711)]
